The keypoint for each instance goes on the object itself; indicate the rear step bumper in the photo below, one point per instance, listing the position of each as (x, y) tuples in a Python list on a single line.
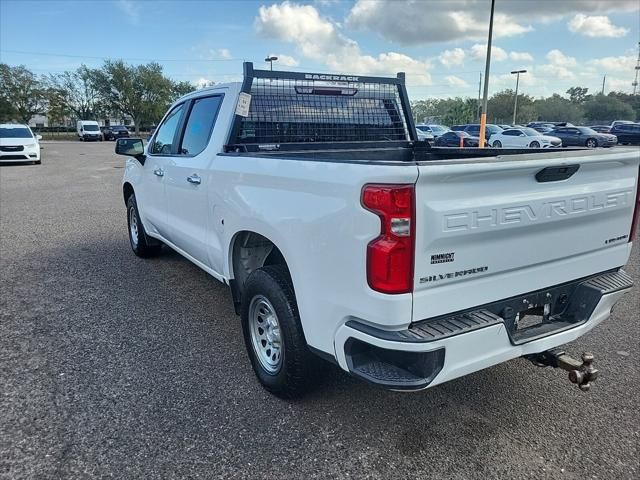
[(439, 349)]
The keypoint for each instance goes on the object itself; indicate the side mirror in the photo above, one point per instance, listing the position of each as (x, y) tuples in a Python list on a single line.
[(38, 137), (131, 147)]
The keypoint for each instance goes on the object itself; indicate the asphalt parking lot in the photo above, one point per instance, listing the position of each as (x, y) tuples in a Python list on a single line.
[(114, 366)]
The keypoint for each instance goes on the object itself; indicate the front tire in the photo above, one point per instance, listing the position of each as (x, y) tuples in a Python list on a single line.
[(591, 143), (534, 145), (273, 333), (142, 245)]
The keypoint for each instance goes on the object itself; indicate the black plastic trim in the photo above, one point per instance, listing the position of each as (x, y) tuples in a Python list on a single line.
[(557, 173), (393, 369), (572, 305), (322, 354)]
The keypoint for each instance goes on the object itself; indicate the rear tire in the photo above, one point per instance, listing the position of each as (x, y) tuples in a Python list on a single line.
[(534, 145), (273, 333), (141, 244), (497, 144)]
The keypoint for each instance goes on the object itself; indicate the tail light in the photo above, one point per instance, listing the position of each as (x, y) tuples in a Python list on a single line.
[(390, 256), (636, 211)]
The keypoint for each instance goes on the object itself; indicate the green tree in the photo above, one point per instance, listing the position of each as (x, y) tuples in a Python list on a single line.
[(458, 110), (632, 100), (78, 91), (606, 108), (557, 108), (57, 106), (22, 93), (178, 89), (139, 91), (501, 104), (578, 94)]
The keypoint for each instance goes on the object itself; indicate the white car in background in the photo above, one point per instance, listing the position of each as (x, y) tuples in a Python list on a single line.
[(524, 137), (430, 132), (18, 143)]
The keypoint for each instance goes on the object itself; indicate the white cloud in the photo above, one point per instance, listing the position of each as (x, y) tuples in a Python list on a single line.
[(130, 9), (285, 60), (203, 82), (449, 58), (478, 52), (559, 65), (416, 22), (595, 26), (623, 63), (321, 40), (455, 81), (224, 53), (556, 57), (521, 56)]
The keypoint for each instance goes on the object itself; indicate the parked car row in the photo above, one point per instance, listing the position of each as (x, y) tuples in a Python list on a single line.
[(90, 130)]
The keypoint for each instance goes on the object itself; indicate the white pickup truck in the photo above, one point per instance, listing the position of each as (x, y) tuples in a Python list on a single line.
[(343, 237)]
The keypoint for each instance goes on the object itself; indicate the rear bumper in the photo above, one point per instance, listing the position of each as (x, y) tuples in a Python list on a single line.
[(437, 350)]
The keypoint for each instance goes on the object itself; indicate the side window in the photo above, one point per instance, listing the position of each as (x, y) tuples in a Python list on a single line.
[(167, 131), (511, 133), (199, 125)]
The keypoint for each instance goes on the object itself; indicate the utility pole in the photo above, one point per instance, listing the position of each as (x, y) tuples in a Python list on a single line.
[(635, 80), (483, 117), (515, 103), (604, 79), (479, 93)]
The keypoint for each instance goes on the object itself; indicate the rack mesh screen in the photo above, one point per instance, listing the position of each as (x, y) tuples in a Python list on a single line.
[(303, 111)]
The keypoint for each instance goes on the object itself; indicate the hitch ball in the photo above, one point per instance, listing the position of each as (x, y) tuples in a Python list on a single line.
[(585, 374), (582, 373)]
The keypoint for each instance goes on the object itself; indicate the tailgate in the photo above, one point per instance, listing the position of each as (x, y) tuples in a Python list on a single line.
[(488, 229)]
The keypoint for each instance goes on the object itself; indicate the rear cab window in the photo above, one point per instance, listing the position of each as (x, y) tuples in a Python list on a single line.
[(199, 125)]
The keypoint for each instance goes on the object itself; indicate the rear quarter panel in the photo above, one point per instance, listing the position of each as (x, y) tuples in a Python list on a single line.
[(311, 211)]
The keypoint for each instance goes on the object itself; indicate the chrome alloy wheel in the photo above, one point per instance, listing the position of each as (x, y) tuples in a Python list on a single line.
[(133, 226), (266, 338)]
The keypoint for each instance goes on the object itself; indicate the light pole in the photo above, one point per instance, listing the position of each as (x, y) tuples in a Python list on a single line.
[(515, 103), (485, 98), (271, 60)]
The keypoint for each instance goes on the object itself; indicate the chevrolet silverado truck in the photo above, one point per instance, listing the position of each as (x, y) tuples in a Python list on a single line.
[(344, 238)]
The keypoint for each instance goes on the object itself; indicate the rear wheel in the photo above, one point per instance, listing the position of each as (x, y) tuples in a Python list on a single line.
[(142, 245), (591, 143), (534, 145), (497, 144), (273, 333)]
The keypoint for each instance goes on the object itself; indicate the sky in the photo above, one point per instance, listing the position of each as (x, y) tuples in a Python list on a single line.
[(440, 44)]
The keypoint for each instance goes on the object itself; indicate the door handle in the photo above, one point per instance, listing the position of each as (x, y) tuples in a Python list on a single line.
[(158, 172), (195, 179)]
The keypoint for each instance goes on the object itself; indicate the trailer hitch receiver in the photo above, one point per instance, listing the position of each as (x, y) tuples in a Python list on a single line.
[(582, 373)]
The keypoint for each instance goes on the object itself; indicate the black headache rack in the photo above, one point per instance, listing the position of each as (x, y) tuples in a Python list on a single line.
[(294, 111)]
